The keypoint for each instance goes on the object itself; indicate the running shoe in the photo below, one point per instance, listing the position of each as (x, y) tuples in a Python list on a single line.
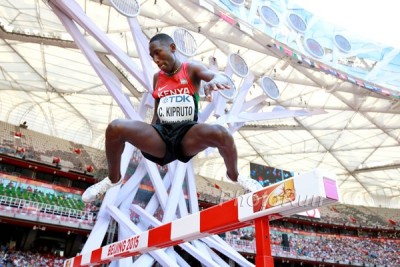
[(97, 191)]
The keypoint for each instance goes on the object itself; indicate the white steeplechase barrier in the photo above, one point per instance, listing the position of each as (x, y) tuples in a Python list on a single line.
[(291, 196)]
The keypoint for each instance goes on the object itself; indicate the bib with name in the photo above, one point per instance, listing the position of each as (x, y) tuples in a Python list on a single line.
[(176, 108)]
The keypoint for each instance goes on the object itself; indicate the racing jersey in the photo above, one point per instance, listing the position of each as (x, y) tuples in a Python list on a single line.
[(177, 97)]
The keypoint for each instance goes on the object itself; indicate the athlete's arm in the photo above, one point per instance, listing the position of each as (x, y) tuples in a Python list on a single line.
[(155, 114), (214, 80)]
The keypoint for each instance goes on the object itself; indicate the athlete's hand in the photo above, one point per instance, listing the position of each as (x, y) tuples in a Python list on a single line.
[(214, 86)]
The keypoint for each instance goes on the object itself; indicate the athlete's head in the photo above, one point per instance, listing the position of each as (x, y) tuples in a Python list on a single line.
[(162, 50), (162, 38)]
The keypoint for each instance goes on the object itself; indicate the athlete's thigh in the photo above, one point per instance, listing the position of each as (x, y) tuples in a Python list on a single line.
[(143, 136), (200, 137)]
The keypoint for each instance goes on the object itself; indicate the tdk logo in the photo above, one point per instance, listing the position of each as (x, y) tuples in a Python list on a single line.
[(176, 99)]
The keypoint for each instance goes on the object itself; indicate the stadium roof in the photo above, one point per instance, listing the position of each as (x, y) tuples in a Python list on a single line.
[(47, 81)]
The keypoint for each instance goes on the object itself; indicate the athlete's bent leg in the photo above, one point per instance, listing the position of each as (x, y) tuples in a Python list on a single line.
[(202, 136), (141, 135)]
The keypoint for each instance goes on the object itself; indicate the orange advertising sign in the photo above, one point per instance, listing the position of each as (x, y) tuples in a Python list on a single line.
[(274, 195)]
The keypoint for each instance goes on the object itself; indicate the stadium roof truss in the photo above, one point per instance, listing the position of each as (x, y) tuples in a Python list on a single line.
[(46, 81)]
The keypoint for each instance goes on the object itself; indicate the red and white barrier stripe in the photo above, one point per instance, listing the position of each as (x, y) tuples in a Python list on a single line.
[(297, 194)]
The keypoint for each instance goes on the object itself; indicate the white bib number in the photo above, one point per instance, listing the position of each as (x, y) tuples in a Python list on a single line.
[(176, 108)]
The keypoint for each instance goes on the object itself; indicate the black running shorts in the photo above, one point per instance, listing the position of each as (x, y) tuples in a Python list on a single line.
[(172, 134)]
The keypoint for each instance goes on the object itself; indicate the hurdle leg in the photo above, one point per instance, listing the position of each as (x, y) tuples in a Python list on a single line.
[(263, 243)]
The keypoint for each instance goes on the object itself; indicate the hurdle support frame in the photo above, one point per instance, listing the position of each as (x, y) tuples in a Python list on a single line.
[(263, 242)]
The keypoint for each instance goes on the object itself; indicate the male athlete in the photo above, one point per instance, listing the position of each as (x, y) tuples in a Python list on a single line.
[(174, 133)]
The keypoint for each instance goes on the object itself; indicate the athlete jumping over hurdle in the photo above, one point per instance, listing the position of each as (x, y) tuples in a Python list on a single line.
[(174, 133)]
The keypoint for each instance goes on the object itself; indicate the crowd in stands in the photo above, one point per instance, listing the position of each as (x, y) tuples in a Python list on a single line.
[(324, 248), (348, 249), (16, 258)]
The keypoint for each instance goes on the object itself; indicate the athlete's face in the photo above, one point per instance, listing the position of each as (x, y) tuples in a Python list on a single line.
[(163, 55)]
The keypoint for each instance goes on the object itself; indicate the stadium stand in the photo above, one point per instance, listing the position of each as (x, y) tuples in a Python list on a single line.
[(44, 148), (357, 251), (29, 259), (344, 235)]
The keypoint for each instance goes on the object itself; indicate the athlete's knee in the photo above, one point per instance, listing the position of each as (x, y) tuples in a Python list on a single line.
[(222, 135), (115, 128)]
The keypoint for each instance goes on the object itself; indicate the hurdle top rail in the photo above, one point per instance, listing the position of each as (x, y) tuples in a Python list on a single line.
[(297, 194)]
